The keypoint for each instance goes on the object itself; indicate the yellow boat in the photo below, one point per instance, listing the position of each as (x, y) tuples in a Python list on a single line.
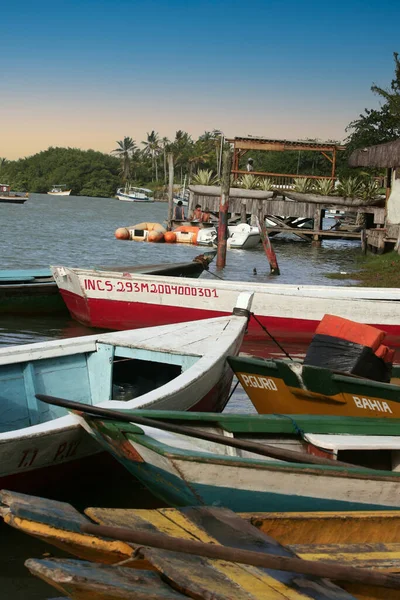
[(367, 540)]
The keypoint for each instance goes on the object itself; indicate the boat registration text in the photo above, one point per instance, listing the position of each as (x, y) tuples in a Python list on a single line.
[(151, 288)]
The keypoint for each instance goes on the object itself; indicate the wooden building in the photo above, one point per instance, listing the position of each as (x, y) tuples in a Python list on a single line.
[(384, 156), (243, 145)]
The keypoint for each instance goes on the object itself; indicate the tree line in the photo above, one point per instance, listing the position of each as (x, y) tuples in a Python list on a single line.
[(92, 173)]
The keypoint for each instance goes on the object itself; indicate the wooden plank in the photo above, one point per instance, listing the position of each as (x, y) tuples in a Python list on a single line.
[(283, 227), (364, 556), (343, 527), (323, 232), (206, 525), (58, 523), (86, 581)]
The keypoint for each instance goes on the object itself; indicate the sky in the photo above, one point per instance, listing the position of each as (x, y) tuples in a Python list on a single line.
[(87, 73)]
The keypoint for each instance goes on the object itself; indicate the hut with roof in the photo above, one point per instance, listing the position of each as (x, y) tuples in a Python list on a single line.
[(384, 156)]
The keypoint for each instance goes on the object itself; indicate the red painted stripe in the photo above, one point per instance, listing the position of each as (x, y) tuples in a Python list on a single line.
[(113, 314)]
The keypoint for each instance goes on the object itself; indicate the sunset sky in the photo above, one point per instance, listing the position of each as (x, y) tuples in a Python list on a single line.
[(87, 73)]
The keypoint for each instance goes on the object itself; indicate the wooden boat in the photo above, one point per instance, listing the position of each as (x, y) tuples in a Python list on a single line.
[(34, 291), (135, 194), (8, 197), (366, 540), (59, 190), (184, 471), (29, 291), (292, 388), (291, 313), (178, 367)]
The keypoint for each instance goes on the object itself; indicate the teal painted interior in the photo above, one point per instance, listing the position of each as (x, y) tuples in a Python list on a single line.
[(108, 373)]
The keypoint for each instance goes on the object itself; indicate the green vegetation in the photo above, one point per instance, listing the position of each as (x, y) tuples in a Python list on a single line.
[(375, 271), (86, 173)]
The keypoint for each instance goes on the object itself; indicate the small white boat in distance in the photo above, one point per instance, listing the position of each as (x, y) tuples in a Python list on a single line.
[(135, 194), (242, 236), (58, 190)]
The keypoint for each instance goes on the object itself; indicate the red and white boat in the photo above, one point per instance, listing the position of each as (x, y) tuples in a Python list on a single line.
[(112, 300)]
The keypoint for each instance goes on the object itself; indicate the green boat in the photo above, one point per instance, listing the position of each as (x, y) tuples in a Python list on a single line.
[(199, 470)]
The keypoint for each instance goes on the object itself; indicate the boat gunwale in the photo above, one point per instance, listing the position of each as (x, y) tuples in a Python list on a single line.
[(172, 453)]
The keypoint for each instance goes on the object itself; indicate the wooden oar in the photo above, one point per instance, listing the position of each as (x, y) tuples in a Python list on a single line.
[(263, 450), (246, 557)]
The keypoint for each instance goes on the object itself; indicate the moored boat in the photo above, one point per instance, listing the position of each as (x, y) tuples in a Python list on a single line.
[(29, 292), (347, 371), (8, 197), (34, 291), (188, 468), (290, 312), (173, 366), (59, 190), (324, 542), (134, 194)]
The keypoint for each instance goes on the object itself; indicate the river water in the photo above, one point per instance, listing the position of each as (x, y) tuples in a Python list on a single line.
[(79, 231)]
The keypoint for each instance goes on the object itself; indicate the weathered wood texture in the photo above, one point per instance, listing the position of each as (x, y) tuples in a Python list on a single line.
[(88, 581), (219, 527), (279, 206), (382, 156)]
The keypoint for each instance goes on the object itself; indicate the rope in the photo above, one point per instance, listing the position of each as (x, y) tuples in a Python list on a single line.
[(300, 432), (271, 336)]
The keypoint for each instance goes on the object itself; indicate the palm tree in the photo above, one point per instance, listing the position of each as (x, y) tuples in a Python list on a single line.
[(164, 145), (152, 148), (125, 151)]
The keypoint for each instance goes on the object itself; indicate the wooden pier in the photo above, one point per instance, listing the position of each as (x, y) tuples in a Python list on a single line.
[(246, 204)]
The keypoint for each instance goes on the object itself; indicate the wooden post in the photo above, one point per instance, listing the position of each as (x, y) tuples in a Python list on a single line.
[(170, 188), (190, 204), (317, 227), (223, 209), (364, 240), (243, 212), (269, 251)]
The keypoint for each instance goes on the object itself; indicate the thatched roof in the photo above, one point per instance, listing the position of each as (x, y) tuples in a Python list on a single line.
[(240, 142), (383, 155)]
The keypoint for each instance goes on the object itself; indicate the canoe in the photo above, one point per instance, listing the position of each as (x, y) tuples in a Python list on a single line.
[(291, 313), (34, 291), (293, 388), (367, 540), (178, 367)]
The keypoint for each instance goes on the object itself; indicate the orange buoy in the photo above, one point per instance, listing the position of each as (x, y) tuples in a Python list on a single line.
[(122, 233), (170, 237), (155, 236)]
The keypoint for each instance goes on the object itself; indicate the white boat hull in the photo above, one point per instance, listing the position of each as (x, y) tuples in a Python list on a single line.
[(290, 312), (203, 384)]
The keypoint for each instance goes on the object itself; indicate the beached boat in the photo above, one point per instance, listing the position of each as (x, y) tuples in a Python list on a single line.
[(191, 469), (29, 291), (179, 367), (325, 542), (8, 197), (289, 312), (347, 371), (292, 388), (34, 291), (135, 194), (59, 190)]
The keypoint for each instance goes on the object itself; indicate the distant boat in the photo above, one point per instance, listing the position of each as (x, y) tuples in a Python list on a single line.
[(135, 194), (58, 190), (11, 197)]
